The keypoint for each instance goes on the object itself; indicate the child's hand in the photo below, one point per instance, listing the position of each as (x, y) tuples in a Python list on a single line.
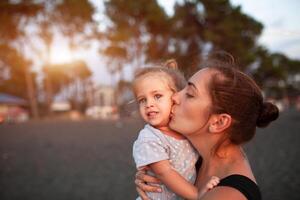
[(211, 183)]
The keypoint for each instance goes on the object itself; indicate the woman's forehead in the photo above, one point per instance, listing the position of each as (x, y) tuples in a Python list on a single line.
[(201, 77)]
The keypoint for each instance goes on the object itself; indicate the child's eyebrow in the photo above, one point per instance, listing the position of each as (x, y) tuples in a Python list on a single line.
[(141, 96), (157, 91)]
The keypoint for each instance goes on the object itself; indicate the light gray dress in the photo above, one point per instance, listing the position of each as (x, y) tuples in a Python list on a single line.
[(153, 146)]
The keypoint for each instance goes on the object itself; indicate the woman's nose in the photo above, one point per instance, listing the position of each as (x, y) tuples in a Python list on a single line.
[(175, 98)]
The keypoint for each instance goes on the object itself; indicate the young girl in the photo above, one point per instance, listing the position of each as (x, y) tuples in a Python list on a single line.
[(168, 154)]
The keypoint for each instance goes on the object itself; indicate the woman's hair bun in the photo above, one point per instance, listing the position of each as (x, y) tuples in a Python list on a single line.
[(171, 63), (268, 113)]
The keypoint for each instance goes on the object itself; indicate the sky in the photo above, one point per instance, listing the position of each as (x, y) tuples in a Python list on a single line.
[(281, 33), (281, 20)]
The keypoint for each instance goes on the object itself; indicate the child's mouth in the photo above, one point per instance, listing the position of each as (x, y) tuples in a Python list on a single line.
[(151, 114)]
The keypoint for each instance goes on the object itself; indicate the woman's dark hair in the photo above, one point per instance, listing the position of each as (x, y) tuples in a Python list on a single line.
[(235, 93)]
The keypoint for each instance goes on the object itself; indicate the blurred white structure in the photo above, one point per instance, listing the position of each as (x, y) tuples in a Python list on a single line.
[(61, 106), (102, 103)]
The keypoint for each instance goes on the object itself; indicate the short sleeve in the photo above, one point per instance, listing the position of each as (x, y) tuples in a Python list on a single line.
[(147, 152)]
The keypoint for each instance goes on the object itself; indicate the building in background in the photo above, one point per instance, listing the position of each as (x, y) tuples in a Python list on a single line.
[(13, 109), (102, 103)]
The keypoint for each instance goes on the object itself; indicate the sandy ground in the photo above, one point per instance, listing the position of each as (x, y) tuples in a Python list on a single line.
[(92, 160)]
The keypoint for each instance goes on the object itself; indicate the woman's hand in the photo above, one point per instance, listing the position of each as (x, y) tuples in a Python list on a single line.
[(141, 180)]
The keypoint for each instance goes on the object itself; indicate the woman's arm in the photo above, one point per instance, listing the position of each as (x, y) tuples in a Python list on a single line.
[(141, 180), (173, 180), (224, 193)]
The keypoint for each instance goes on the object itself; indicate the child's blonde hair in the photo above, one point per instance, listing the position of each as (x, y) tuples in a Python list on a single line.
[(174, 77)]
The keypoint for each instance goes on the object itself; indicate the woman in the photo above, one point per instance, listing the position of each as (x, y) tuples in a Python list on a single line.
[(218, 112)]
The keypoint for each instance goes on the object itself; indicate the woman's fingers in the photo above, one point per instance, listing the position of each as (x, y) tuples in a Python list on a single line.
[(146, 188), (141, 180), (141, 175), (142, 194)]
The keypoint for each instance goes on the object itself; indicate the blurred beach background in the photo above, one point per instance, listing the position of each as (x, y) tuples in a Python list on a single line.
[(67, 119), (93, 160)]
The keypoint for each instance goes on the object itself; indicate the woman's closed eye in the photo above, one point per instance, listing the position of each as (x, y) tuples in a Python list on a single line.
[(189, 95)]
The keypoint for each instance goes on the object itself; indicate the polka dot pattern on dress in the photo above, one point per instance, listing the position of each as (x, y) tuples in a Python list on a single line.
[(154, 146)]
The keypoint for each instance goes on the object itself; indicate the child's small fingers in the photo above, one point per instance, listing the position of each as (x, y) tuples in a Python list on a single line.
[(214, 184), (215, 178), (210, 185)]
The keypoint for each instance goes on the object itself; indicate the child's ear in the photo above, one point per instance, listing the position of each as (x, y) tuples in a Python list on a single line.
[(171, 63), (219, 123)]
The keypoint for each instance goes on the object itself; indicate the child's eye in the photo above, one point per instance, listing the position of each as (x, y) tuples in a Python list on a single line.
[(141, 101), (157, 96)]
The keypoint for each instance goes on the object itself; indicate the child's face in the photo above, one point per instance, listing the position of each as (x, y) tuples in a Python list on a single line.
[(153, 95)]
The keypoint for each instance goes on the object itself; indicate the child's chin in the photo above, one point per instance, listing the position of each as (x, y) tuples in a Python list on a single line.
[(153, 123), (159, 124)]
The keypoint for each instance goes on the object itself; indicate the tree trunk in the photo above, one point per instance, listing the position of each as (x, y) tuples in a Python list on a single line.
[(31, 94)]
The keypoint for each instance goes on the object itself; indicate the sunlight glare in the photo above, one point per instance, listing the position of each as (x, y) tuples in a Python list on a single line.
[(60, 55)]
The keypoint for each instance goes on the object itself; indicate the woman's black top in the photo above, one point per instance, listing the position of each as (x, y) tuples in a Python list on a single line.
[(243, 184)]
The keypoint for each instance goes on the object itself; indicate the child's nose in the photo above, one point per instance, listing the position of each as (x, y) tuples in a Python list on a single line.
[(149, 103)]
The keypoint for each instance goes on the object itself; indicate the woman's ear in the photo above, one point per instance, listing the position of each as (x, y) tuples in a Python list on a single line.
[(219, 123)]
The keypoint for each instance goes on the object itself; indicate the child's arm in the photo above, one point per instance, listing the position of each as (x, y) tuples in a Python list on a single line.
[(173, 180)]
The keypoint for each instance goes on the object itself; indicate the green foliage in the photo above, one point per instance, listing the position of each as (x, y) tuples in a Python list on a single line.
[(69, 17), (133, 21), (15, 82), (138, 32), (61, 75), (11, 16), (198, 27), (72, 16), (184, 35)]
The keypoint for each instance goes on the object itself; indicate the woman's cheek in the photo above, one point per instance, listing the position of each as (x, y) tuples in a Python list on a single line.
[(183, 121), (194, 117), (189, 124)]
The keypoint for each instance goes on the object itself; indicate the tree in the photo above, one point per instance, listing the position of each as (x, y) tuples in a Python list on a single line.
[(186, 36), (73, 20), (14, 80), (74, 75), (143, 31), (276, 73), (131, 30), (12, 19)]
